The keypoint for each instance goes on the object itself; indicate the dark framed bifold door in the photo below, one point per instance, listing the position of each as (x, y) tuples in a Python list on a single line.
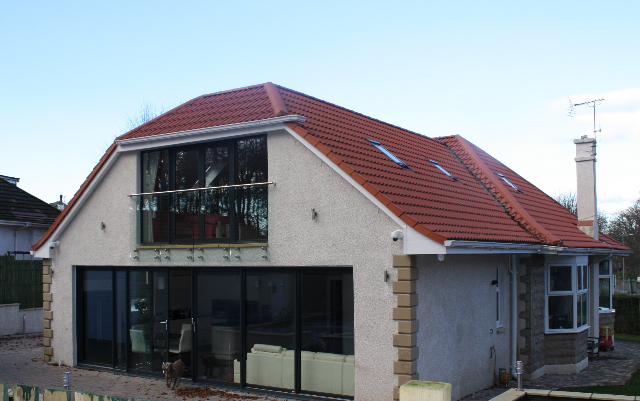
[(270, 329), (102, 307), (218, 325), (160, 326)]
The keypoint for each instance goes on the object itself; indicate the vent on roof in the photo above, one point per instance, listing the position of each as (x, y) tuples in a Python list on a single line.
[(389, 154), (509, 182), (435, 163)]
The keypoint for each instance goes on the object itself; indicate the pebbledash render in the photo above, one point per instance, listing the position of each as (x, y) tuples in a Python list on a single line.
[(274, 241)]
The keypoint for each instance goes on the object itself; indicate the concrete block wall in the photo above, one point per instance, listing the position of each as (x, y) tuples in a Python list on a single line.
[(17, 321), (565, 348)]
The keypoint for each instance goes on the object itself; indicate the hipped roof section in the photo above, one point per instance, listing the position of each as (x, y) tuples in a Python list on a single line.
[(475, 207)]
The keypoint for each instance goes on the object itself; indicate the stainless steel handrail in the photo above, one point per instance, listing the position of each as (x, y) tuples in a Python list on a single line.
[(204, 189)]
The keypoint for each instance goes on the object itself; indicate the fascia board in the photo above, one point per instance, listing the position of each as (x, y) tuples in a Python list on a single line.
[(470, 247), (78, 205), (417, 244), (207, 134)]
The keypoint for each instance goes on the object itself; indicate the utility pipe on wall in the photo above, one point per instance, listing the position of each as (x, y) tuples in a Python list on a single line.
[(514, 313)]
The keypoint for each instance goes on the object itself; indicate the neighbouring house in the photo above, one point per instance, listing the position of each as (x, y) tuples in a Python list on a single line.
[(272, 240), (23, 218), (60, 205)]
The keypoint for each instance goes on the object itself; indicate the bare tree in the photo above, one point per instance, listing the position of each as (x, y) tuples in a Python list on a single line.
[(625, 228), (146, 113), (570, 201)]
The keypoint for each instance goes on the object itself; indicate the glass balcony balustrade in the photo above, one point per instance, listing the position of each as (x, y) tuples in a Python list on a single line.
[(235, 213)]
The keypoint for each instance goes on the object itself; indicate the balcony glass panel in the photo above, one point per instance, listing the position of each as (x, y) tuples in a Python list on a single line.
[(207, 215)]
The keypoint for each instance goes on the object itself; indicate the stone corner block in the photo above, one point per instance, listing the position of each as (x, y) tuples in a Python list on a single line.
[(48, 351), (48, 333), (405, 340), (404, 261), (402, 379), (405, 367), (407, 273), (403, 287), (404, 313)]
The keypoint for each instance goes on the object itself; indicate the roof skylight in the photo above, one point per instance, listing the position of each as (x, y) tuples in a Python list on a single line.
[(435, 163), (389, 154), (509, 182)]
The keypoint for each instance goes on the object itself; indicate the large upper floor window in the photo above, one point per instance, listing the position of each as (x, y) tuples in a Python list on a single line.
[(213, 192), (567, 297)]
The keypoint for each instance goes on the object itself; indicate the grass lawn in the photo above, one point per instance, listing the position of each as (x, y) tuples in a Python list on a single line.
[(632, 388)]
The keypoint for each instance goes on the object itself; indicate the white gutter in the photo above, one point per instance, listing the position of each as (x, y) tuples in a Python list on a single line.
[(513, 270), (18, 223), (196, 135), (466, 247), (205, 134)]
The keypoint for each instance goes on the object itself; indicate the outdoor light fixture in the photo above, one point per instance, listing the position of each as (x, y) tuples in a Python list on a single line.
[(66, 380)]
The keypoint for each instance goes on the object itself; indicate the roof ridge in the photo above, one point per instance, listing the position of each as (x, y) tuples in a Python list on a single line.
[(502, 194), (279, 108), (360, 114)]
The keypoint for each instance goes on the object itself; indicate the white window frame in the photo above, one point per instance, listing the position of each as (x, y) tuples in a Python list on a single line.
[(610, 277), (577, 289)]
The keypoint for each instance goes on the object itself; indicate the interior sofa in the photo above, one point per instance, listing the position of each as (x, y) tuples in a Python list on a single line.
[(273, 366)]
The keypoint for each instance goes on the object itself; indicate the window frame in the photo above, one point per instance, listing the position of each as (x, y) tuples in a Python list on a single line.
[(611, 285), (578, 290), (233, 166)]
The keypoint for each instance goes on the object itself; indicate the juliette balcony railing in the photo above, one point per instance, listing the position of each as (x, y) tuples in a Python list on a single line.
[(233, 213)]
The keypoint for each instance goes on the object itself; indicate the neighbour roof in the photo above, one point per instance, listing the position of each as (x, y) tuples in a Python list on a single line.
[(17, 205), (476, 206)]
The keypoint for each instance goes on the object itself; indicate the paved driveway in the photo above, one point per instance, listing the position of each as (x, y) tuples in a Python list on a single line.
[(22, 362)]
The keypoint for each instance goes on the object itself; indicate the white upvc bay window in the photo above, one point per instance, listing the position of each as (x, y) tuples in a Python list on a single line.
[(567, 295)]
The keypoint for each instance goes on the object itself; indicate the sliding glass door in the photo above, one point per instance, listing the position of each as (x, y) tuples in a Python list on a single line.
[(288, 329)]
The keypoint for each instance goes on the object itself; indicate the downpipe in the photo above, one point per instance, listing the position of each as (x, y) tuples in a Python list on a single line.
[(513, 271)]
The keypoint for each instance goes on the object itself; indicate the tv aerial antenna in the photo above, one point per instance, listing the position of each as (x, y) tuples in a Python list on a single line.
[(590, 103)]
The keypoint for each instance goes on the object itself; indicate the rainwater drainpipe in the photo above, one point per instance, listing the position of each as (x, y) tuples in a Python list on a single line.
[(514, 313), (15, 238)]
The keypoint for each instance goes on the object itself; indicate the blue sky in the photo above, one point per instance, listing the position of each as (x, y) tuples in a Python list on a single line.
[(498, 73)]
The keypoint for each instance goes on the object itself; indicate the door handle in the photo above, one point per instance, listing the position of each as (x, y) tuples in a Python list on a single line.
[(166, 324)]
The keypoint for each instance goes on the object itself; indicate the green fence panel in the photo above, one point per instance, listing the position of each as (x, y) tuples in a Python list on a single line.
[(4, 392), (25, 393), (21, 282), (81, 396), (627, 313)]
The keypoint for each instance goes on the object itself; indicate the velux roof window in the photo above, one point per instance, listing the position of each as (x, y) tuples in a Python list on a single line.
[(509, 182), (389, 154), (435, 163)]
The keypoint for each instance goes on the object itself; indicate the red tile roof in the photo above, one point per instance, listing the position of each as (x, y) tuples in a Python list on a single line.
[(477, 206)]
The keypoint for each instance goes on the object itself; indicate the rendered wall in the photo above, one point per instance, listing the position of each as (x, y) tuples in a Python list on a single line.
[(16, 321), (457, 314), (349, 231), (25, 238)]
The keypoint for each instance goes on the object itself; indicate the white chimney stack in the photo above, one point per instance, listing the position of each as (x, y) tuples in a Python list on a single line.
[(586, 171)]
